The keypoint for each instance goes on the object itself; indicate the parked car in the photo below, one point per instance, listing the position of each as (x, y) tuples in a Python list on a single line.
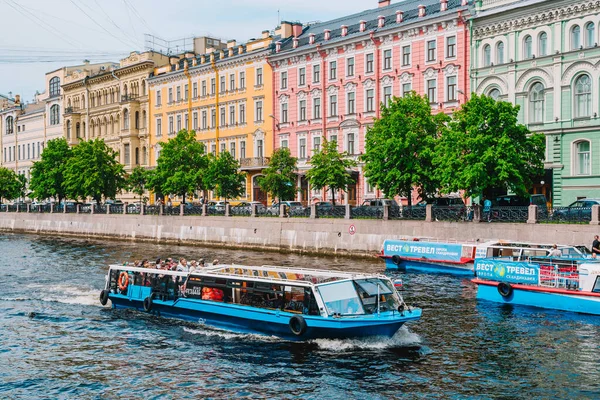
[(448, 207), (290, 206), (580, 210), (113, 202), (518, 207), (246, 207), (379, 203)]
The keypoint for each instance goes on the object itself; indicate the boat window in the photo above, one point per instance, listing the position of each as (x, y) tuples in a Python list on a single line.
[(341, 298), (596, 288), (371, 287), (534, 253)]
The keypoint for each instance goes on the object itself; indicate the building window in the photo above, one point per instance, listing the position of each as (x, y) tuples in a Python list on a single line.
[(178, 123), (369, 64), (186, 90), (158, 97), (350, 137), (204, 121), (195, 117), (284, 80), (370, 100), (543, 44), (222, 87), (231, 115), (178, 93), (527, 47), (332, 70), (387, 59), (590, 35), (494, 94), (259, 111), (242, 80), (203, 88), (431, 88), (302, 76), (54, 115), (582, 158), (302, 107), (350, 66), (170, 95), (195, 90), (223, 147), (536, 103), (500, 53), (302, 148), (316, 108), (213, 118), (575, 37), (259, 148), (259, 76), (213, 86), (242, 113), (125, 119), (54, 86), (243, 149), (583, 96), (351, 109), (222, 121), (431, 50), (451, 88), (284, 144), (487, 55), (405, 56), (406, 89), (284, 113), (316, 73), (387, 95), (126, 155), (316, 144), (213, 148), (333, 105), (451, 47), (232, 149), (232, 82)]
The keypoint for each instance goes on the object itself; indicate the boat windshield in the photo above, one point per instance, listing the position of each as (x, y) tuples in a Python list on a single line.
[(374, 287), (341, 298)]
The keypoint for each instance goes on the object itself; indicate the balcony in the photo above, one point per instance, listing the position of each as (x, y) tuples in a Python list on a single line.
[(127, 98), (254, 163), (71, 110)]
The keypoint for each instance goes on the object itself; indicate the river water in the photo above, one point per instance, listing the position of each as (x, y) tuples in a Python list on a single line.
[(56, 341)]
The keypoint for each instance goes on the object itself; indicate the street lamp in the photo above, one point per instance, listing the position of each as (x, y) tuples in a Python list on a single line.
[(276, 121)]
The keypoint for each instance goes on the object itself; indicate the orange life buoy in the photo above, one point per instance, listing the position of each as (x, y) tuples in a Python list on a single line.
[(123, 281)]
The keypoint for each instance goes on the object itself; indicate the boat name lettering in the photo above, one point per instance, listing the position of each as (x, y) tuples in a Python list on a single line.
[(503, 271)]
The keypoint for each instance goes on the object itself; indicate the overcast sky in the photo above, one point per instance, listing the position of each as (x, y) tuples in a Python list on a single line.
[(39, 36)]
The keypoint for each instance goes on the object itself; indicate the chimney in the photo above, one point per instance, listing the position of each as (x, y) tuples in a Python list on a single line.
[(194, 61), (327, 34), (240, 49), (421, 10), (363, 25), (265, 34), (221, 55), (18, 98), (230, 54), (296, 29), (311, 38), (285, 29), (230, 44), (399, 16), (384, 3), (380, 21), (173, 60), (344, 30), (443, 5), (295, 43), (277, 47)]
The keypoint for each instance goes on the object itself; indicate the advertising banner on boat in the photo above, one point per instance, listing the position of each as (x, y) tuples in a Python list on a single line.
[(506, 271), (424, 250)]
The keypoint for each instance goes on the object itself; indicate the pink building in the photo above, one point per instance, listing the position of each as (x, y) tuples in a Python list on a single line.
[(330, 77)]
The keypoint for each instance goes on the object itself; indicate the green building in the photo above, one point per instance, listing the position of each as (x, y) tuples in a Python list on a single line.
[(543, 55)]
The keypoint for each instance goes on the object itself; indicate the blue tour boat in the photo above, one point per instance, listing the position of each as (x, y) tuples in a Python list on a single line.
[(567, 284), (292, 303)]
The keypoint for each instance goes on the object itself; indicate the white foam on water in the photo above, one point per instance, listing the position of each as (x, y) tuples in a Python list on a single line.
[(228, 335), (66, 294), (402, 338)]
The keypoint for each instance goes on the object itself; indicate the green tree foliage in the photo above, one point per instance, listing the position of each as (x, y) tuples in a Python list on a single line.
[(138, 180), (181, 166), (399, 148), (329, 168), (12, 185), (223, 177), (279, 178), (48, 174), (93, 171), (485, 148)]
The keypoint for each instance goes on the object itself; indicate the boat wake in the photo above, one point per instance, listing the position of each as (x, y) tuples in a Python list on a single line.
[(229, 335), (66, 294), (402, 339)]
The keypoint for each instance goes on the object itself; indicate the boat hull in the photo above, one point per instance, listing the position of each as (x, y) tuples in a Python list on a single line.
[(429, 266), (540, 297), (248, 319)]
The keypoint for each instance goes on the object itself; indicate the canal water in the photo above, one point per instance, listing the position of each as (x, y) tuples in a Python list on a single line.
[(56, 341)]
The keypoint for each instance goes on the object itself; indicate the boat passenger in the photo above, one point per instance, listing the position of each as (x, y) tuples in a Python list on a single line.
[(201, 263), (193, 266), (555, 252), (596, 245), (216, 262)]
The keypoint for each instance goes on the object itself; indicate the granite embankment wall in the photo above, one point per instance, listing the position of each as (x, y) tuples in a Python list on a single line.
[(322, 236)]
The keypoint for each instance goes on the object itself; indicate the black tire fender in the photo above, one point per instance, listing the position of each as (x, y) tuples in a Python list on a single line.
[(104, 297), (396, 259), (297, 325), (148, 303), (505, 289)]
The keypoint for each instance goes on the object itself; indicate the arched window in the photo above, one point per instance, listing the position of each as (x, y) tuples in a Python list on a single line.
[(583, 96), (125, 119), (575, 37), (527, 47), (78, 130), (494, 94), (500, 53), (582, 158), (536, 103), (543, 44), (10, 126), (137, 120), (143, 88), (54, 87), (144, 155), (137, 156), (68, 129), (487, 55), (590, 34), (54, 115)]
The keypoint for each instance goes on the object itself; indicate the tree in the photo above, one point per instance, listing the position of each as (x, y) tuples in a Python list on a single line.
[(485, 148), (329, 168), (12, 185), (400, 147), (181, 166), (48, 174), (223, 177), (280, 176), (93, 171), (137, 181)]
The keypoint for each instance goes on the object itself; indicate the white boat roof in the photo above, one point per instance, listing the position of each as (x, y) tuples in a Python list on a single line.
[(486, 243)]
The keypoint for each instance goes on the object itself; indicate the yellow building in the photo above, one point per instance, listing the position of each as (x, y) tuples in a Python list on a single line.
[(225, 94)]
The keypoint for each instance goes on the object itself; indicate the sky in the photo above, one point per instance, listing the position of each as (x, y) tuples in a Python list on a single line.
[(40, 36)]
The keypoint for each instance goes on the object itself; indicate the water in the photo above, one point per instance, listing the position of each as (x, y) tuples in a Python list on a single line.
[(56, 341)]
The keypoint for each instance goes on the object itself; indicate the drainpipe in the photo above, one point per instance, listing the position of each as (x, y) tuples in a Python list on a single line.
[(274, 101), (186, 71), (214, 66), (465, 72), (324, 91), (87, 106), (377, 72)]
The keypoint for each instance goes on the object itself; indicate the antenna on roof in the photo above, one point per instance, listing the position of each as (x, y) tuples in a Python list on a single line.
[(278, 18)]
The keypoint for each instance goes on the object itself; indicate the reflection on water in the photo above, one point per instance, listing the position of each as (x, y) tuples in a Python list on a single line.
[(58, 342)]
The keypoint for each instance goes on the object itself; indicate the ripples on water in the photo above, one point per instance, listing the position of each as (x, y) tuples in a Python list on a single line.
[(56, 341)]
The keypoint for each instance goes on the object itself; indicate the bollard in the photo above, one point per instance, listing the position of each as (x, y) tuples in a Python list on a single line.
[(77, 208), (476, 213), (429, 213), (124, 208), (108, 209), (254, 208), (204, 210), (51, 208), (28, 207), (161, 209), (347, 216), (532, 218), (282, 213), (181, 209), (92, 208), (313, 211), (64, 207), (595, 215), (142, 209), (386, 212), (227, 210)]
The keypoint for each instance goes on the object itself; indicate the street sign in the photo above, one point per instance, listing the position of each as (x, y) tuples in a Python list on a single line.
[(352, 229)]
